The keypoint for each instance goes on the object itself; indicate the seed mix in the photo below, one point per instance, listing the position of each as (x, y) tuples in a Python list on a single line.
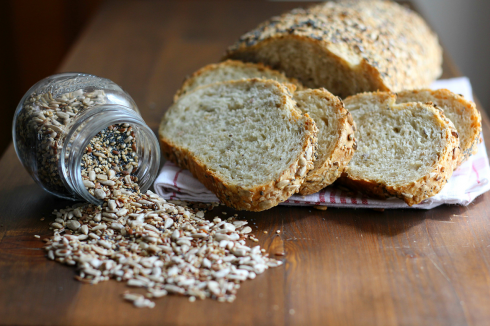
[(164, 247), (42, 126), (110, 161)]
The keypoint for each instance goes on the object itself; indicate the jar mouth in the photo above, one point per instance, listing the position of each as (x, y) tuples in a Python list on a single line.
[(87, 126)]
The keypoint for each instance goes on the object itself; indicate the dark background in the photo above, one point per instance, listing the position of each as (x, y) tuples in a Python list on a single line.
[(35, 36)]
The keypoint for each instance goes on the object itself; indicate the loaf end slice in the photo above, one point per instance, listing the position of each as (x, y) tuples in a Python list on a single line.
[(336, 142), (405, 150), (348, 47), (232, 70), (244, 140), (462, 113)]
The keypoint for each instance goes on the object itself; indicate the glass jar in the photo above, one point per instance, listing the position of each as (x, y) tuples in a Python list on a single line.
[(58, 117)]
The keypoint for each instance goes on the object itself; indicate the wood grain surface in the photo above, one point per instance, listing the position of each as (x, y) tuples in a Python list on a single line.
[(342, 266)]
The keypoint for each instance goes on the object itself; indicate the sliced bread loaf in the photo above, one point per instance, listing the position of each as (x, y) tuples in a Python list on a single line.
[(405, 150), (347, 47), (232, 70), (244, 140), (462, 113), (336, 143)]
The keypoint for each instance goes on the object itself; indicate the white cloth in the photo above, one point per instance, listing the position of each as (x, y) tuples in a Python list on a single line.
[(469, 181)]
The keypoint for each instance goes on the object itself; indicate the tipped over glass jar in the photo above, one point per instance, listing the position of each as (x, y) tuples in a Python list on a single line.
[(81, 137)]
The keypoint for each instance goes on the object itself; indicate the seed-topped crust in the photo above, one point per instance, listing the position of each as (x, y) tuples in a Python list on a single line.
[(424, 187), (462, 112), (261, 196), (328, 168), (258, 70), (347, 47)]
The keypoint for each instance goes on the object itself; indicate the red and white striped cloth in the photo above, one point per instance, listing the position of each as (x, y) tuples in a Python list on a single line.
[(469, 181)]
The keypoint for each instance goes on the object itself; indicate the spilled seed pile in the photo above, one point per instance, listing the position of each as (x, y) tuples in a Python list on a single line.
[(145, 241), (157, 245)]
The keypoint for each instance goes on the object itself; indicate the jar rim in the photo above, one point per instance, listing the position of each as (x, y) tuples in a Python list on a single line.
[(87, 126)]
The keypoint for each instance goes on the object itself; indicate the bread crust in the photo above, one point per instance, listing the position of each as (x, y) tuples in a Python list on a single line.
[(382, 44), (426, 186), (331, 168), (464, 107), (259, 197), (189, 81)]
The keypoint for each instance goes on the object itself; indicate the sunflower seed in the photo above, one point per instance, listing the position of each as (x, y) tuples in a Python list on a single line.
[(99, 193), (73, 225)]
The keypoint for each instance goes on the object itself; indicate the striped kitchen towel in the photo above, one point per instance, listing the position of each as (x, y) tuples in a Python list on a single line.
[(469, 181)]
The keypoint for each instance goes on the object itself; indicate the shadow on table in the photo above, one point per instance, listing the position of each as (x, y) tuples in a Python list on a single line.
[(387, 223), (21, 206), (392, 222)]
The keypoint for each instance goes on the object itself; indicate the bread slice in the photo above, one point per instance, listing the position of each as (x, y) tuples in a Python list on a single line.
[(232, 70), (335, 137), (244, 140), (462, 113), (347, 47), (405, 150)]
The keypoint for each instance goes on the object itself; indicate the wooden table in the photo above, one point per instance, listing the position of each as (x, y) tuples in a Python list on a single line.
[(342, 266)]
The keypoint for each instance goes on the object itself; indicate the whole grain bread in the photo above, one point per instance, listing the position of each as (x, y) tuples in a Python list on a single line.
[(462, 113), (245, 140), (404, 150), (347, 47), (232, 70), (336, 142)]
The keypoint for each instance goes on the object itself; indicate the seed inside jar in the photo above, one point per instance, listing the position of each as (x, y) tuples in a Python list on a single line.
[(43, 124), (110, 162)]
